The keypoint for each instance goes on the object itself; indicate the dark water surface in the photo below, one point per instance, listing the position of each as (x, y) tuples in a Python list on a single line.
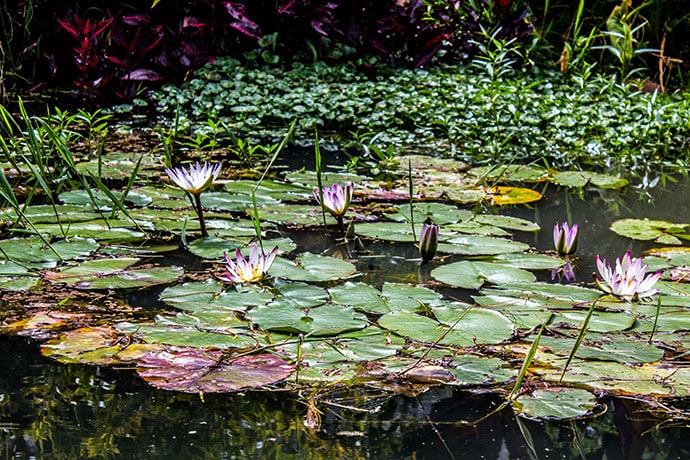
[(54, 411)]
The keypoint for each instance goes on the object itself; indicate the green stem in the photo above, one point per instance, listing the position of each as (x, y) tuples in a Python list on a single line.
[(200, 214)]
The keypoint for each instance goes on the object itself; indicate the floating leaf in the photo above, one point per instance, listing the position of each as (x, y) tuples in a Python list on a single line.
[(102, 345), (599, 321), (193, 335), (269, 189), (113, 274), (529, 261), (581, 179), (661, 231), (33, 249), (502, 195), (559, 292), (440, 213), (481, 245), (214, 248), (294, 214), (473, 275), (514, 173), (194, 370), (555, 404), (606, 348), (310, 267), (508, 222), (324, 320), (480, 370), (474, 326), (210, 295)]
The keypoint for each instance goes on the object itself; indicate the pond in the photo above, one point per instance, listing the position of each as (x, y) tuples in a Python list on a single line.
[(62, 407)]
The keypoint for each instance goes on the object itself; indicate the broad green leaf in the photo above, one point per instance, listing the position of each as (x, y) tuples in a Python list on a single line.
[(473, 275), (310, 267), (33, 249), (599, 322), (581, 179), (222, 201), (324, 320), (513, 173), (214, 247), (481, 245), (269, 190), (529, 261), (556, 404), (440, 213), (479, 370), (606, 348), (508, 222), (211, 295), (647, 229), (293, 214), (558, 292)]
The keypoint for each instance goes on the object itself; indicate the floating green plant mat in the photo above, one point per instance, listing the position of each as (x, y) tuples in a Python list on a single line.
[(312, 320)]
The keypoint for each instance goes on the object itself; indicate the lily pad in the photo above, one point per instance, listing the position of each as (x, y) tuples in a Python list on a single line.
[(294, 214), (194, 370), (555, 404), (581, 179), (310, 267), (660, 231), (502, 195), (473, 275), (324, 320), (480, 245), (508, 222), (210, 295), (480, 370), (113, 274), (33, 249), (102, 345), (513, 173), (393, 297)]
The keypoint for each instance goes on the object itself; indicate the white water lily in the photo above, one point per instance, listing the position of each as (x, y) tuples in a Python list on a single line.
[(194, 180), (627, 280), (197, 178), (251, 269)]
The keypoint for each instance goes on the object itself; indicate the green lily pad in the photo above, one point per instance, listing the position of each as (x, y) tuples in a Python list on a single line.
[(440, 213), (513, 173), (114, 274), (480, 245), (210, 295), (294, 214), (114, 231), (599, 321), (222, 201), (310, 267), (581, 179), (102, 345), (566, 294), (302, 295), (33, 249), (529, 261), (41, 214), (100, 200), (193, 335), (606, 348), (660, 231), (473, 275), (324, 320), (194, 370), (507, 222), (269, 190), (393, 297), (214, 247), (480, 370), (555, 404), (525, 313), (468, 327)]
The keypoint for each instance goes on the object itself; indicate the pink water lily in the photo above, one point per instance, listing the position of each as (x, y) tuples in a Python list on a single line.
[(249, 270), (194, 180), (336, 199), (428, 241), (565, 238), (627, 280)]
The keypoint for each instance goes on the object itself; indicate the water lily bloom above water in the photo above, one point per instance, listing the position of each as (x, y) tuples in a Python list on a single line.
[(565, 238), (251, 269), (336, 198), (196, 178), (627, 280), (428, 241)]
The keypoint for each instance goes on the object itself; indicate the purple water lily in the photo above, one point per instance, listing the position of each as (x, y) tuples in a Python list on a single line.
[(627, 280), (565, 238), (428, 241), (336, 199)]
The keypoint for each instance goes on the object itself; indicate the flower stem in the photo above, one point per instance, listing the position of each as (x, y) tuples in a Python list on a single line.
[(200, 214), (341, 224)]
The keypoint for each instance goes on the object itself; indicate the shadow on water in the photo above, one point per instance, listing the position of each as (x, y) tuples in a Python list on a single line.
[(51, 410)]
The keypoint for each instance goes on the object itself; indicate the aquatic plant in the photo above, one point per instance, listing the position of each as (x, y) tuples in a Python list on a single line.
[(249, 270), (335, 199), (627, 280), (428, 241), (194, 181), (565, 238)]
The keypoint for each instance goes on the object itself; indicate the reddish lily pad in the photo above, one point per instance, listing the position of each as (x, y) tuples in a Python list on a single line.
[(195, 370)]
